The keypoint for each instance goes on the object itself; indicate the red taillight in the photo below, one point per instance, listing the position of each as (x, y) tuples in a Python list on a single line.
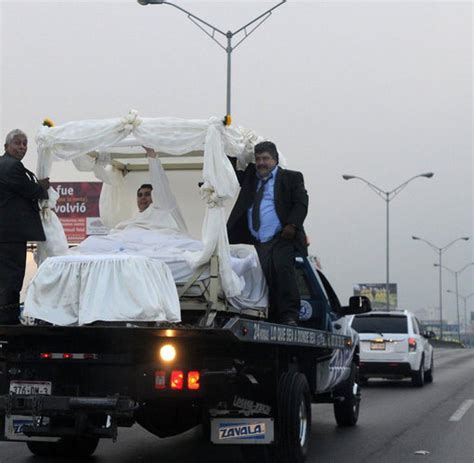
[(160, 379), (67, 356), (46, 355), (177, 379), (193, 380), (411, 344)]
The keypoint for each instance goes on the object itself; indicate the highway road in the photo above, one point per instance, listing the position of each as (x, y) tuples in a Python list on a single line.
[(396, 422)]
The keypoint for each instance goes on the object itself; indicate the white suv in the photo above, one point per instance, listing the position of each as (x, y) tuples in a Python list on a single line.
[(393, 346)]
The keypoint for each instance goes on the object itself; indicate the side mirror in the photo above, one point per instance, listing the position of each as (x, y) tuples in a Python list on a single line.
[(357, 304), (429, 334)]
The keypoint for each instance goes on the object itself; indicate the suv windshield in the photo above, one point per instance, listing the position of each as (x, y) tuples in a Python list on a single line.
[(380, 324)]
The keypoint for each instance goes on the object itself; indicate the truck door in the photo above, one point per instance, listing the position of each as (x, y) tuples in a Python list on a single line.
[(314, 306)]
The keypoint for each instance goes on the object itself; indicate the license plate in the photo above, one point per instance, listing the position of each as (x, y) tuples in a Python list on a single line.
[(14, 423), (242, 430), (377, 346), (30, 387)]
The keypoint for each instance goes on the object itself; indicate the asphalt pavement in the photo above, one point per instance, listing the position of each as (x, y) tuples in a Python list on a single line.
[(398, 423)]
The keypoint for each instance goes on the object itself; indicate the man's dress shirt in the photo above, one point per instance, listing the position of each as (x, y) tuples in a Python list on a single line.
[(270, 225)]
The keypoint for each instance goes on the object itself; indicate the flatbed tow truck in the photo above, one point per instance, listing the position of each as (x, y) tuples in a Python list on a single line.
[(248, 382)]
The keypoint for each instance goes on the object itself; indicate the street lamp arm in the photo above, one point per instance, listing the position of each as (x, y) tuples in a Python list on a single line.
[(199, 21), (455, 272), (190, 15), (431, 245), (465, 298), (446, 268), (266, 13), (377, 190), (444, 248), (400, 187), (465, 267)]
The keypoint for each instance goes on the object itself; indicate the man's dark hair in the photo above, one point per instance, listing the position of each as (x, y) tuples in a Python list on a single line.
[(267, 147), (146, 185)]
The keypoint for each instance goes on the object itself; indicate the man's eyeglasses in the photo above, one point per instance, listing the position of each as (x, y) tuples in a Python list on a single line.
[(143, 194)]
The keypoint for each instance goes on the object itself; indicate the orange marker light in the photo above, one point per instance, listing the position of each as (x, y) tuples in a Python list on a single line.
[(193, 380), (177, 379)]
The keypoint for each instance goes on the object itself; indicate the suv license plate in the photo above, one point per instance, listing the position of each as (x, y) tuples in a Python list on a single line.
[(377, 346), (30, 387)]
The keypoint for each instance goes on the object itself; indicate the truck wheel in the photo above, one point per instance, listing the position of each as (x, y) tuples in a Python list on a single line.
[(418, 377), (294, 418), (346, 411), (71, 447), (292, 425)]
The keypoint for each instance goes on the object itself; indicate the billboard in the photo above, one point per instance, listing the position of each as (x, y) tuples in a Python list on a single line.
[(377, 294), (78, 209)]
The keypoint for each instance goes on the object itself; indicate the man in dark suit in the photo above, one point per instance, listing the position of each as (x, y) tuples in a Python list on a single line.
[(269, 213), (19, 221)]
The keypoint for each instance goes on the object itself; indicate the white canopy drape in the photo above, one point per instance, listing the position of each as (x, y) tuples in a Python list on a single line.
[(73, 140)]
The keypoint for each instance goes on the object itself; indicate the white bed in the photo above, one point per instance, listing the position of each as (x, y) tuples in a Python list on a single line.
[(154, 241)]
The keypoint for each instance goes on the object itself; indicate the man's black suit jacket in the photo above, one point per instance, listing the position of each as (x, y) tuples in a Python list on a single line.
[(291, 204), (19, 194)]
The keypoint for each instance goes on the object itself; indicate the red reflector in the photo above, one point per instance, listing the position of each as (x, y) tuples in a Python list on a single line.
[(193, 380), (67, 356), (45, 355), (393, 364), (177, 379), (160, 379)]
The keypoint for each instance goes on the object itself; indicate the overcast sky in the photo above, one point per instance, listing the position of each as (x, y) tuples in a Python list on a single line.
[(382, 90)]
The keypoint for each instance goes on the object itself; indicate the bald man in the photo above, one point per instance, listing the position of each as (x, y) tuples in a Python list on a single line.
[(20, 221)]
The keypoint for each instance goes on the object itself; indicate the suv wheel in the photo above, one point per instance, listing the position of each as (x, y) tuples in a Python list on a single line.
[(418, 377), (429, 373)]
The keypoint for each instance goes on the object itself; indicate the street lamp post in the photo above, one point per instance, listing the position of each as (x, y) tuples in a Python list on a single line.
[(456, 274), (440, 252), (228, 36), (464, 298), (387, 196)]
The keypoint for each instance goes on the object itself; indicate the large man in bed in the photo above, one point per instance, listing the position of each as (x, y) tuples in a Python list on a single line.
[(269, 213)]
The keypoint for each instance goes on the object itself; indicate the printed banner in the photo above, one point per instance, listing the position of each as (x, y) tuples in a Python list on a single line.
[(78, 209), (377, 293)]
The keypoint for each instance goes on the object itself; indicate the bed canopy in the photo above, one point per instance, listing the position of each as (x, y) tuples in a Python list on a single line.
[(90, 144)]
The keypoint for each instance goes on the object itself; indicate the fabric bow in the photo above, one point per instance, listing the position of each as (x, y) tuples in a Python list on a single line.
[(208, 194), (130, 122)]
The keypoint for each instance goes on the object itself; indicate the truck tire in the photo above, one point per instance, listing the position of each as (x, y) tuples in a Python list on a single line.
[(292, 424), (294, 418), (68, 447), (346, 411)]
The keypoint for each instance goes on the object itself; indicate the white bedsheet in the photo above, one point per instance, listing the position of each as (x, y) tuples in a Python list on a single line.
[(80, 289), (170, 246)]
